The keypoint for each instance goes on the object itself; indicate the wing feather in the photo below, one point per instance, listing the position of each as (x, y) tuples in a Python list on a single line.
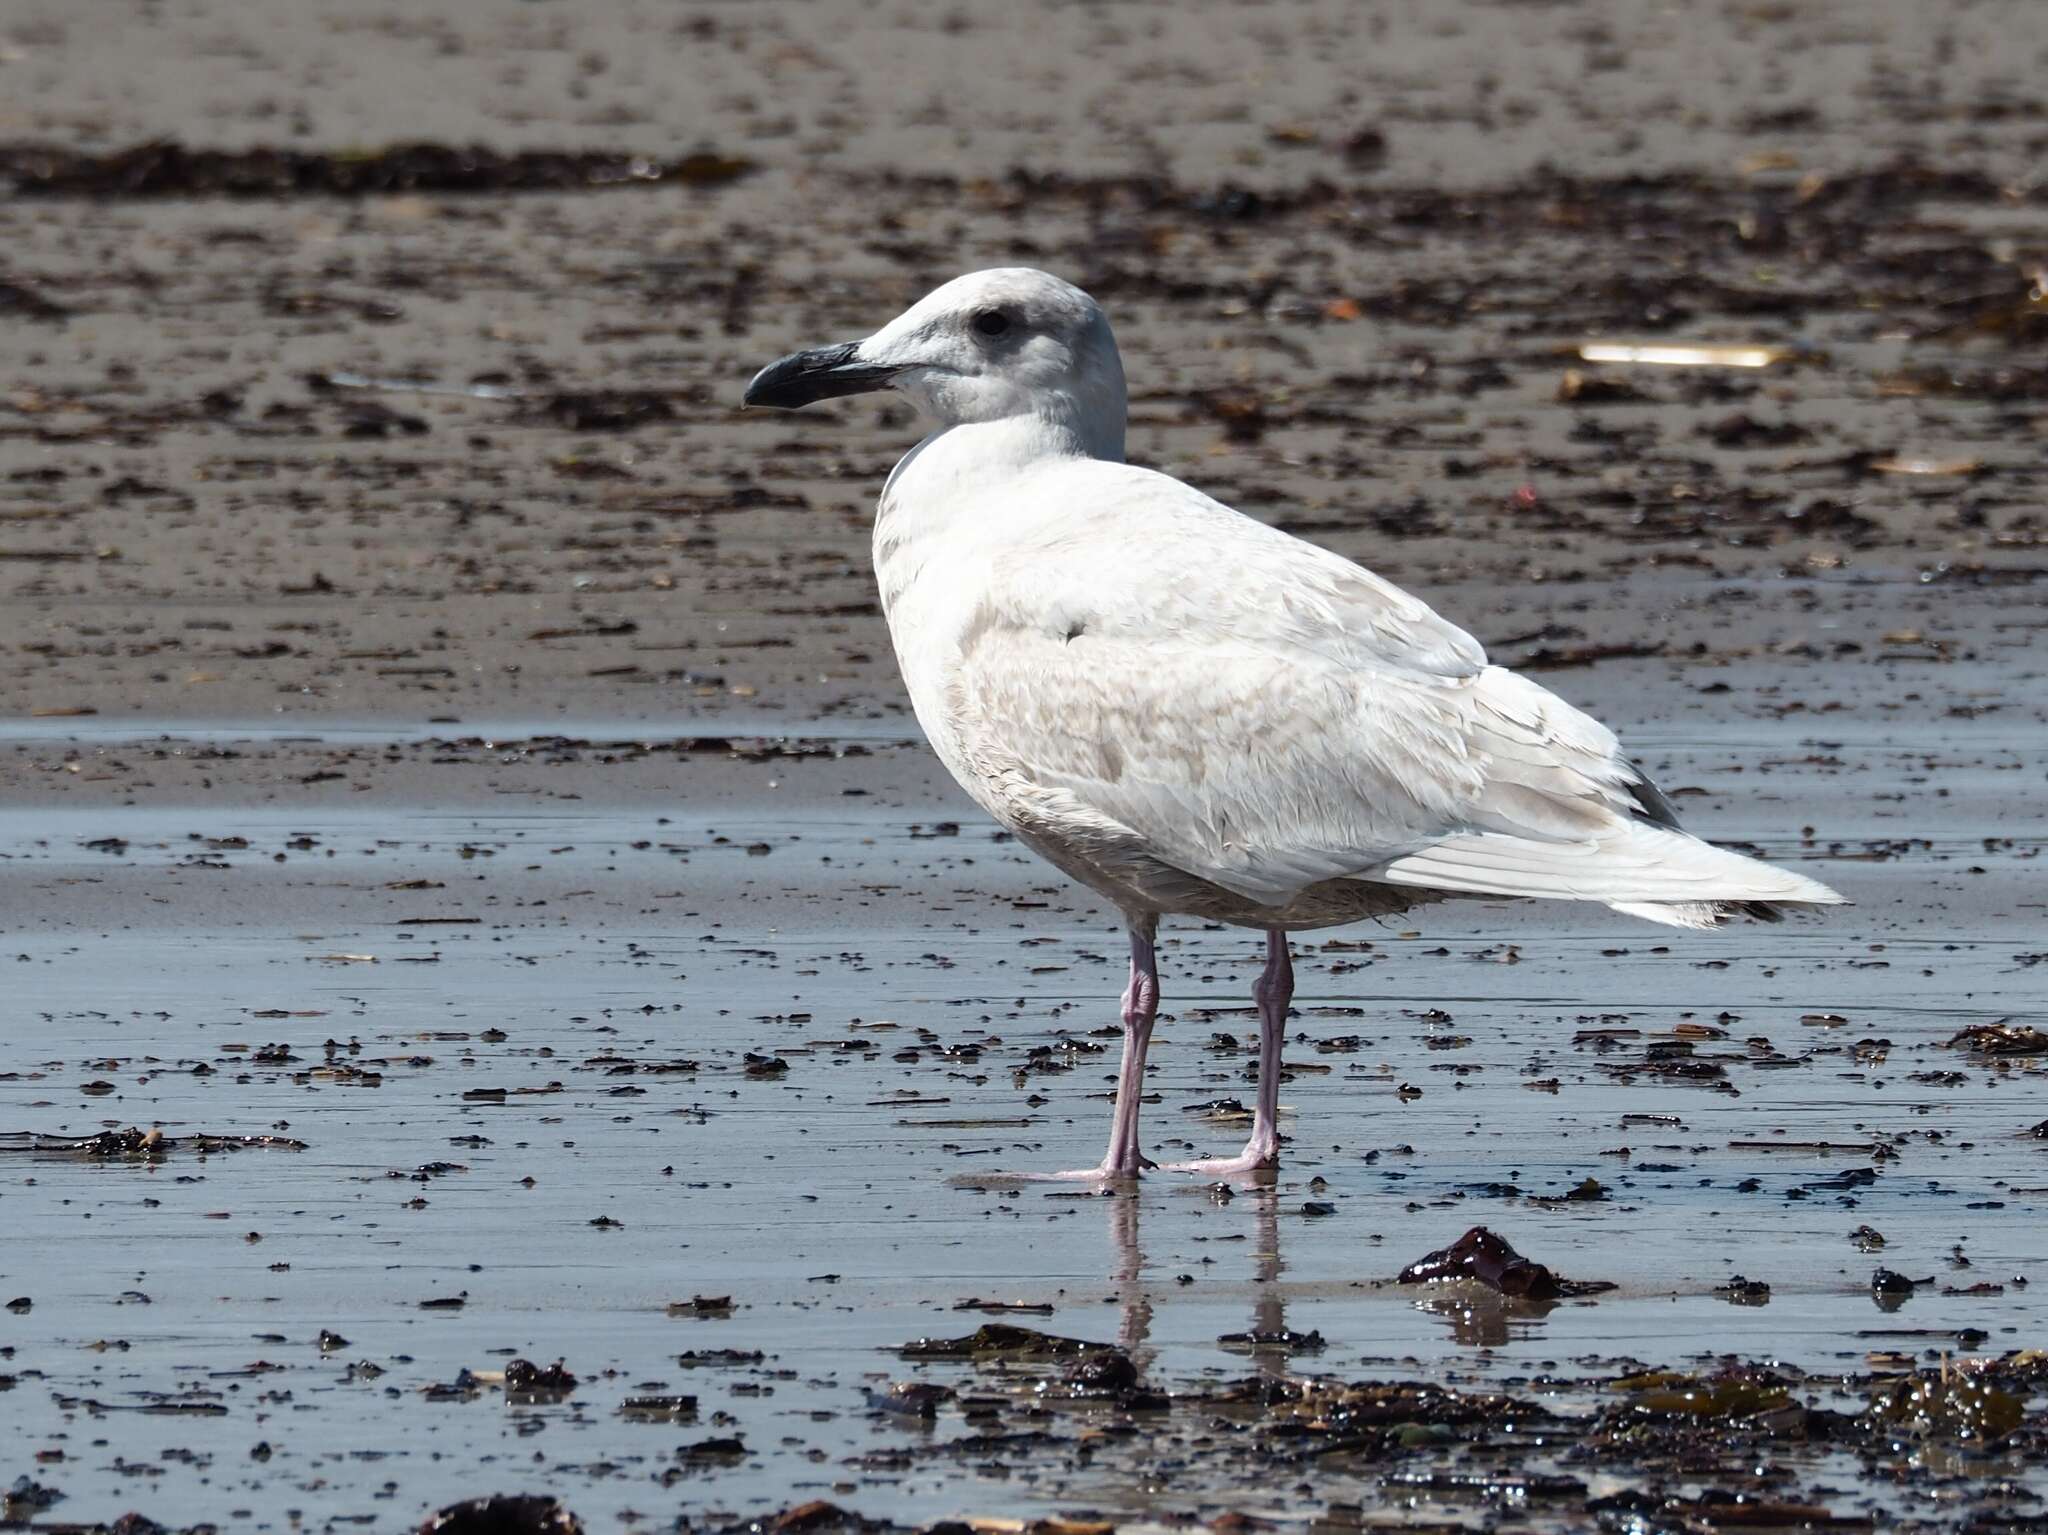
[(1265, 715)]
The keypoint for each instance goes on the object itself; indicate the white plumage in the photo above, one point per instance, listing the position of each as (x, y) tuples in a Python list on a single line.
[(1195, 713)]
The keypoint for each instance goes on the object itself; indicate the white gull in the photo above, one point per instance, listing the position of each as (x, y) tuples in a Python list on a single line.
[(1194, 713)]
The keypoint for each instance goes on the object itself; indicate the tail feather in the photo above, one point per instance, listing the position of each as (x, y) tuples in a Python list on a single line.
[(1641, 869), (1703, 914)]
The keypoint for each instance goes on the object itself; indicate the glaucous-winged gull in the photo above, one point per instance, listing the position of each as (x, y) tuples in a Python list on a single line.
[(1194, 713)]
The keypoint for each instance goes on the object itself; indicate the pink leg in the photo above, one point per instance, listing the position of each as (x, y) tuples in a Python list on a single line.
[(1141, 1007), (1275, 990), (1123, 1159)]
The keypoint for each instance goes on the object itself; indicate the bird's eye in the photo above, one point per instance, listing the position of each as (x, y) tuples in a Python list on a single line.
[(991, 322)]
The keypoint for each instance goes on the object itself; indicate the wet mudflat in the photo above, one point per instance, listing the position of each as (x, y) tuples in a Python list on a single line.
[(704, 1099), (503, 1003)]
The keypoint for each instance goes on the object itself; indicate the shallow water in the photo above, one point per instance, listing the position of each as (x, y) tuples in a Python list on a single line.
[(630, 963)]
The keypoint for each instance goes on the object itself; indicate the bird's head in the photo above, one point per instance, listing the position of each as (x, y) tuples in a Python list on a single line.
[(991, 346)]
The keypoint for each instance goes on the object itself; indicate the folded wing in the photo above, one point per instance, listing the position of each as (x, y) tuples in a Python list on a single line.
[(1267, 715)]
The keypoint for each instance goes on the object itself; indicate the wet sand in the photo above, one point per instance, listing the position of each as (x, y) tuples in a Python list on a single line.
[(446, 733), (751, 1038)]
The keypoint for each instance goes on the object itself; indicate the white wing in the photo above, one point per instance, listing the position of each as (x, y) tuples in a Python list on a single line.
[(1265, 715)]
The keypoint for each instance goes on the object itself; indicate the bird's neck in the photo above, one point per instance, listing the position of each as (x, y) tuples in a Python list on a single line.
[(940, 489), (947, 469)]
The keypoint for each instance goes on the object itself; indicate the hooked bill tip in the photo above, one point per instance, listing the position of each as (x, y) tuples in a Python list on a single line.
[(821, 373)]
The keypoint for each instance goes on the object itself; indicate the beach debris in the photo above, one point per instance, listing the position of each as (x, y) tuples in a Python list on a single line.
[(167, 168), (1738, 1392), (27, 1498), (1227, 1111), (676, 1409), (1278, 1340), (911, 1399), (1954, 1402), (1717, 1510), (1480, 1255), (465, 1387), (148, 1145), (1004, 1307), (1740, 1291), (1744, 431), (504, 1513), (1577, 388), (1109, 1370), (719, 1358), (818, 1516), (1337, 1408), (1000, 1340), (2002, 1038), (1681, 354), (702, 1305), (524, 1379), (1927, 466)]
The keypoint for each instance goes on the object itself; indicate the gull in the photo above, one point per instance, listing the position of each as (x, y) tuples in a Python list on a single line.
[(1196, 714)]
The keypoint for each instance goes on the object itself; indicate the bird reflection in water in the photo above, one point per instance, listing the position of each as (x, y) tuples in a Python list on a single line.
[(1268, 1325), (1134, 1300), (1269, 1307)]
